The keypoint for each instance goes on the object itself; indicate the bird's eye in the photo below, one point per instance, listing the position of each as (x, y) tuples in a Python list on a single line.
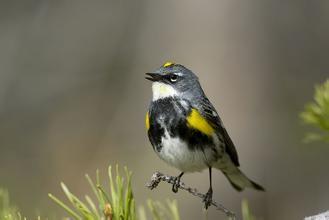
[(173, 78)]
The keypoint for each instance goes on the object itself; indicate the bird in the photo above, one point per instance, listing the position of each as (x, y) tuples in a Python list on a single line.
[(186, 131)]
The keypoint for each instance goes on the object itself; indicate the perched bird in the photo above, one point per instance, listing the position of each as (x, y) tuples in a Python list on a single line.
[(186, 131)]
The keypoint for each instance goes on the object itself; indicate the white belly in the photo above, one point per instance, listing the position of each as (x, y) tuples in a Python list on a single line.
[(177, 154)]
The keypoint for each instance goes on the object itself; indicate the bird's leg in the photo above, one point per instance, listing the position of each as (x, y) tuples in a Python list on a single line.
[(208, 198), (177, 182)]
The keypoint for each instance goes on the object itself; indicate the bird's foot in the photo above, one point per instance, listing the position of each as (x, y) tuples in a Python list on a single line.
[(208, 198), (176, 184)]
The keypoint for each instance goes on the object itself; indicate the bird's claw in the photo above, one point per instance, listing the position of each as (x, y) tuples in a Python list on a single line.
[(176, 184), (208, 199)]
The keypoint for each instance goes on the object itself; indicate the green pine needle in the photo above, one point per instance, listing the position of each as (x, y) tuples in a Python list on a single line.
[(316, 114), (7, 210), (116, 204), (64, 206), (246, 214)]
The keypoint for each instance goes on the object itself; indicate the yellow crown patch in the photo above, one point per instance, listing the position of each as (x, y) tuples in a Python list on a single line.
[(168, 64)]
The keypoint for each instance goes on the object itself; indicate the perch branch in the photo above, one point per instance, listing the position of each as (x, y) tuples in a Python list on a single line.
[(157, 177)]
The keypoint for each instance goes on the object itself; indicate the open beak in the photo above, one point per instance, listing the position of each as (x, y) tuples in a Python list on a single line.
[(153, 77)]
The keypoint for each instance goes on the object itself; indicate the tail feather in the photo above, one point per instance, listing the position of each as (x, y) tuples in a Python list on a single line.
[(235, 176), (240, 181), (257, 186)]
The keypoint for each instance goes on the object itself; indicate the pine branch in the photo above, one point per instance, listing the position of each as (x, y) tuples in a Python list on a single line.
[(157, 177)]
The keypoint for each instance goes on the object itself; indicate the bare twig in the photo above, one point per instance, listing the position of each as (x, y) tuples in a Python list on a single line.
[(157, 177)]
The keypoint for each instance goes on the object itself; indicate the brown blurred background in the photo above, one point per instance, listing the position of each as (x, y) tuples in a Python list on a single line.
[(73, 96)]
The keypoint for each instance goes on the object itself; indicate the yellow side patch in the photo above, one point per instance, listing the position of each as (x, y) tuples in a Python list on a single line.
[(147, 121), (196, 121), (168, 64)]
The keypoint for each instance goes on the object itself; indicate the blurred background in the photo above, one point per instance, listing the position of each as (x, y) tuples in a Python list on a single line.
[(73, 96)]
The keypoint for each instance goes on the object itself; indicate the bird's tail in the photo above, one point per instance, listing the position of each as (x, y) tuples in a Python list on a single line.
[(240, 181), (236, 177)]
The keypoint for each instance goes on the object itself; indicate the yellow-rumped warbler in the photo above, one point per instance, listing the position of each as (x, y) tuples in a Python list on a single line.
[(186, 131)]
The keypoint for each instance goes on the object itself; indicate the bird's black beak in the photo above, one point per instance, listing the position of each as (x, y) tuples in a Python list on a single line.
[(153, 76)]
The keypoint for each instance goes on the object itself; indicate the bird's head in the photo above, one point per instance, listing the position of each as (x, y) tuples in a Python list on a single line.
[(172, 80)]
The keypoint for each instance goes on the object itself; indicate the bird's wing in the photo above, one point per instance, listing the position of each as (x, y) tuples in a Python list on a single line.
[(208, 111)]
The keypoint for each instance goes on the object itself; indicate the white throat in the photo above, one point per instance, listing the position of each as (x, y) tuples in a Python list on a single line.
[(162, 90)]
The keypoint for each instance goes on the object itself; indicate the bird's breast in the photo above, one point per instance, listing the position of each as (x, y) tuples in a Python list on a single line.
[(174, 140)]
